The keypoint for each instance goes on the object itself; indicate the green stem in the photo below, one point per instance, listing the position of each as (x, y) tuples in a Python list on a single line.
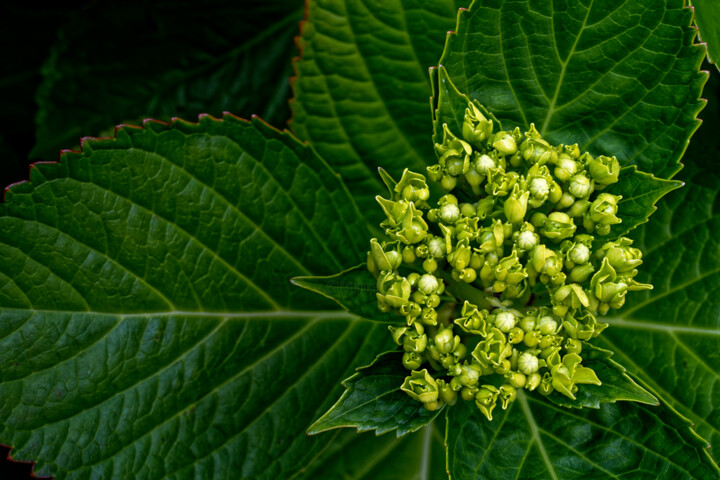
[(464, 291)]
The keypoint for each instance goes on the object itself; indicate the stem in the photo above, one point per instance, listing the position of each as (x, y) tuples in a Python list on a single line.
[(465, 291)]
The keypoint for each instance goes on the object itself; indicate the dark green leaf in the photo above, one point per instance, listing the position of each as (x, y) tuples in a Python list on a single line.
[(416, 456), (618, 78), (164, 59), (616, 384), (640, 191), (707, 15), (361, 92), (450, 105), (670, 336), (373, 401), (147, 326), (534, 439), (354, 289)]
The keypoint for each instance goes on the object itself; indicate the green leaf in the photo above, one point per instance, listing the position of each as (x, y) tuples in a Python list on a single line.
[(450, 105), (361, 91), (616, 384), (536, 439), (354, 289), (670, 336), (610, 76), (640, 192), (415, 456), (182, 59), (373, 401), (147, 326), (707, 15)]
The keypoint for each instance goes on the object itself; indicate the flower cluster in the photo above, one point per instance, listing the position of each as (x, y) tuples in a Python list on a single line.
[(501, 281)]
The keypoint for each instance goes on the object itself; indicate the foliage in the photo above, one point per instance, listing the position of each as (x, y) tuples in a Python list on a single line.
[(148, 327)]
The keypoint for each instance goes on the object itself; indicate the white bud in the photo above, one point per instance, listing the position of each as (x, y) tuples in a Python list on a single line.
[(539, 187), (484, 163), (505, 321), (565, 169), (449, 213), (528, 363), (580, 186), (437, 247), (579, 254), (527, 240), (428, 284)]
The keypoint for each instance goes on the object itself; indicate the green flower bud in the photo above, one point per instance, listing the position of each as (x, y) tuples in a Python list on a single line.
[(505, 321), (506, 394), (408, 254), (500, 183), (547, 325), (412, 187), (526, 240), (532, 339), (582, 326), (510, 271), (448, 182), (604, 170), (532, 382), (516, 335), (527, 324), (469, 374), (504, 143), (493, 350), (467, 210), (483, 164), (393, 290), (433, 300), (539, 188), (476, 129), (580, 186), (620, 255), (437, 247), (430, 265), (546, 387), (528, 363), (428, 316), (445, 341), (538, 151), (449, 213), (571, 296), (421, 386), (421, 250), (412, 360), (545, 260), (446, 393), (428, 284), (468, 393), (568, 373), (604, 287), (385, 260), (413, 341), (460, 256), (579, 208), (473, 320), (538, 219), (565, 167), (602, 211), (435, 172), (580, 273), (579, 253), (558, 226), (516, 205), (486, 399), (516, 379), (573, 346)]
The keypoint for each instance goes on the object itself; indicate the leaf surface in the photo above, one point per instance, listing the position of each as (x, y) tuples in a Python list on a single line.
[(162, 60), (610, 76), (147, 325), (670, 337), (373, 401), (707, 15), (362, 88), (354, 289), (535, 439)]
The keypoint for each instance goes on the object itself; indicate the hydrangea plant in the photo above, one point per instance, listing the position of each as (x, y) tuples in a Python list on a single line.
[(495, 298)]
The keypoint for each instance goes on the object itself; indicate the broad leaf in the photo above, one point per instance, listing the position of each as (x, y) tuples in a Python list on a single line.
[(361, 91), (640, 191), (373, 401), (670, 337), (416, 456), (610, 76), (354, 289), (616, 384), (147, 326), (535, 439), (164, 59), (707, 15)]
